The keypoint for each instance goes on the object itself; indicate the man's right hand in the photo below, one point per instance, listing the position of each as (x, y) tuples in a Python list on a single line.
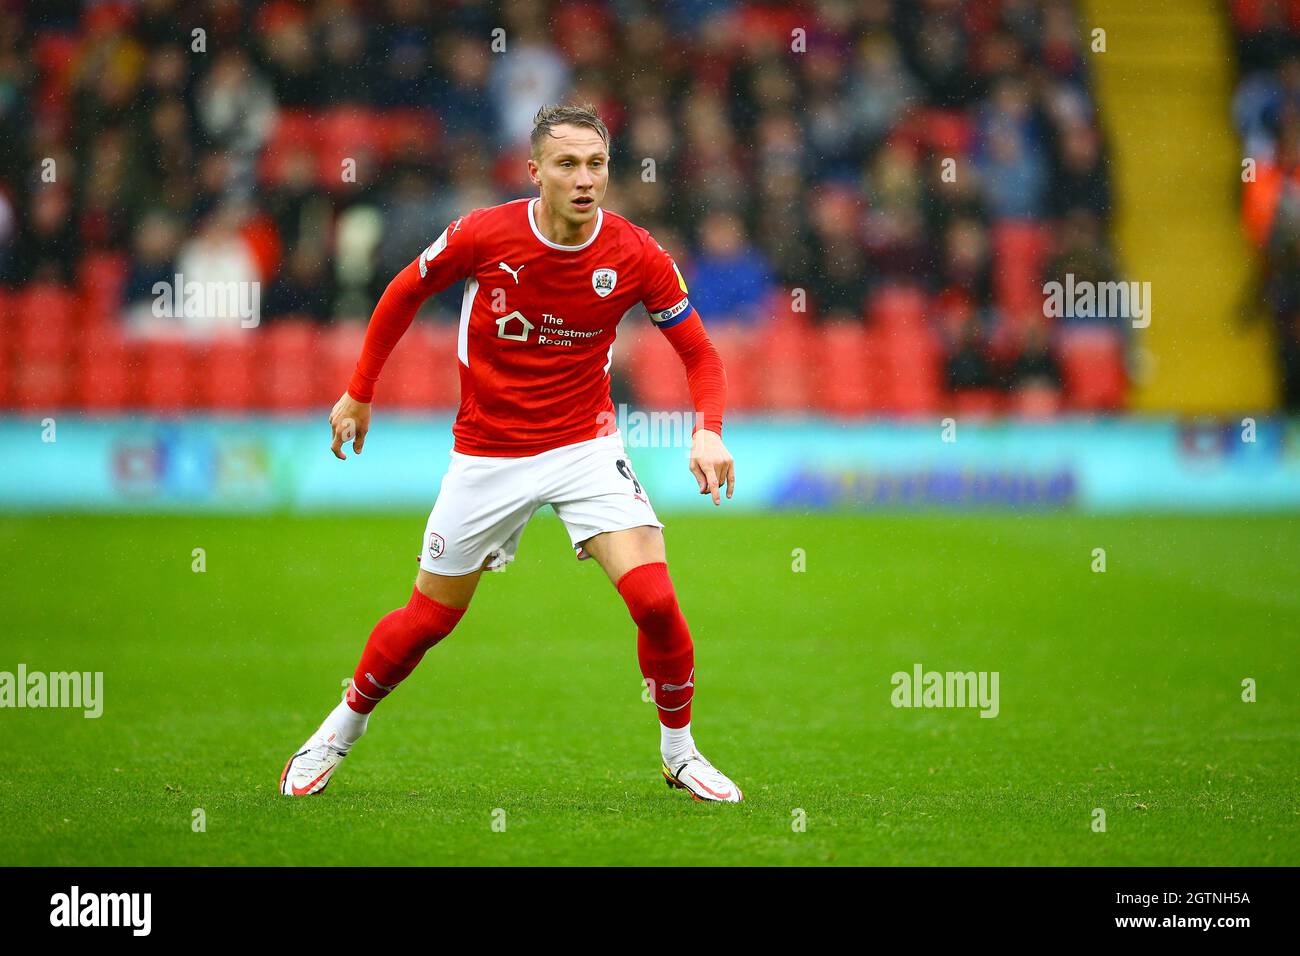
[(350, 420)]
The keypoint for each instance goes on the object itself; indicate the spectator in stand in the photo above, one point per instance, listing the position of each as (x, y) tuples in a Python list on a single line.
[(966, 266), (219, 257), (1011, 158), (819, 172), (462, 100), (731, 281), (410, 209), (16, 73), (113, 184), (841, 274), (48, 245), (406, 63), (532, 75), (236, 110), (1080, 181), (302, 289), (1282, 293), (1036, 367), (894, 232), (968, 368), (288, 53), (833, 121), (951, 197), (157, 241), (712, 160), (1084, 255), (937, 44), (1276, 176), (1281, 270), (1266, 109), (782, 225), (1263, 34), (346, 75), (8, 234), (882, 89), (1260, 101)]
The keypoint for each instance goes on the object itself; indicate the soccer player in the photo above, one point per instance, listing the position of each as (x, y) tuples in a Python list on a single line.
[(546, 281)]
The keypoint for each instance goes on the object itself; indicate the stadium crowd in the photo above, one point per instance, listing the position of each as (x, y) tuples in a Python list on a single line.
[(866, 196), (1266, 109)]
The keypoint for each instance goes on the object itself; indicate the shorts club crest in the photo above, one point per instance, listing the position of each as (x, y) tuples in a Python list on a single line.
[(436, 545)]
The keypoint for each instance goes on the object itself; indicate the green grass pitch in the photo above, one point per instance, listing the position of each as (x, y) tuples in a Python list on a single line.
[(1119, 690)]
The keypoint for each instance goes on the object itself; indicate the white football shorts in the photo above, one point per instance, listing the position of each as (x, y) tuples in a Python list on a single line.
[(484, 503)]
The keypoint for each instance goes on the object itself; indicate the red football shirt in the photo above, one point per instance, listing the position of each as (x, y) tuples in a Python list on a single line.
[(538, 320)]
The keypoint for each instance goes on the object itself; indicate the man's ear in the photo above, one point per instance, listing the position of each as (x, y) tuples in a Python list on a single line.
[(532, 173)]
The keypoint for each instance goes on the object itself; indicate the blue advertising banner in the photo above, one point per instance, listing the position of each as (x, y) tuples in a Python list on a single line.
[(259, 464)]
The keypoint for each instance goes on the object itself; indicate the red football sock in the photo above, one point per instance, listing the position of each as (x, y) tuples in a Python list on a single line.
[(396, 645), (663, 641)]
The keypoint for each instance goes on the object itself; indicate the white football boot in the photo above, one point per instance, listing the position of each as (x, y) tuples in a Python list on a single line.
[(702, 780), (310, 769)]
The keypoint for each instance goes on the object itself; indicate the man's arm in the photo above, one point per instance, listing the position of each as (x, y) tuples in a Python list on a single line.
[(706, 378), (668, 302), (447, 259), (393, 315)]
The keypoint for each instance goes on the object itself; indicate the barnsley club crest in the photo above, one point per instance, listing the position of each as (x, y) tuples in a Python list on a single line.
[(602, 280)]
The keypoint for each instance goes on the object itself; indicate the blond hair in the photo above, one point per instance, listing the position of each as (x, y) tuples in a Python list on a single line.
[(549, 117)]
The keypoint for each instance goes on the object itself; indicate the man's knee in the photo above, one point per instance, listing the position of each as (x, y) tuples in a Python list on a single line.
[(619, 552), (454, 591), (650, 597), (407, 632)]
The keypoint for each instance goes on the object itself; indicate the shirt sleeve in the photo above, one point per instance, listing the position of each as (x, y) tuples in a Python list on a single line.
[(670, 309), (665, 297), (705, 375), (447, 259)]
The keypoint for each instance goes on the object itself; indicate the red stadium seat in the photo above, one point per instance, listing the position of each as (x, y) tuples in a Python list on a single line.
[(295, 131), (408, 132), (445, 371), (659, 379), (780, 306), (42, 346), (166, 384), (655, 371), (948, 132), (976, 403), (290, 365), (1036, 402), (745, 373), (43, 319), (6, 348), (844, 382), (56, 55), (227, 373), (1092, 362), (1020, 252), (912, 373), (898, 307), (105, 370), (347, 133), (415, 376), (100, 280), (340, 347), (41, 383), (781, 357)]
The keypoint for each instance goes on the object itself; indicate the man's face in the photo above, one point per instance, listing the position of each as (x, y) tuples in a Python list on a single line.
[(572, 169)]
